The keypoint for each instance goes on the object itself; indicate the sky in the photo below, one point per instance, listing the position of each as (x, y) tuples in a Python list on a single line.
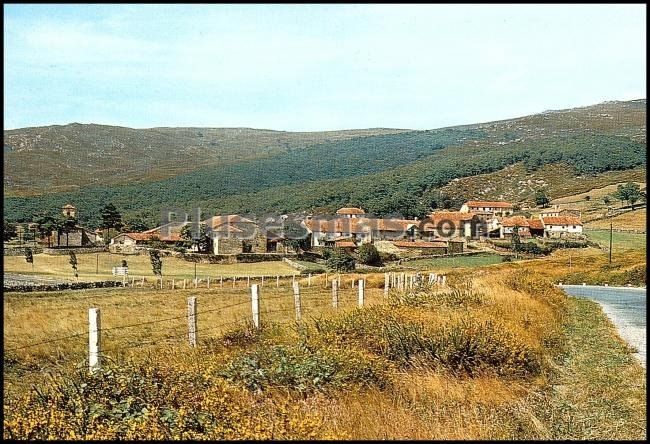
[(315, 67)]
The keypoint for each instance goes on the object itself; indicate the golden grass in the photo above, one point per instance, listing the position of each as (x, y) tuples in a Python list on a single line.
[(422, 401), (139, 265), (633, 220)]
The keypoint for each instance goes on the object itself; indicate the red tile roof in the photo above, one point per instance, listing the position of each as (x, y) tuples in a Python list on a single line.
[(535, 224), (520, 221), (562, 220), (350, 210), (453, 216), (485, 203), (358, 225), (420, 244)]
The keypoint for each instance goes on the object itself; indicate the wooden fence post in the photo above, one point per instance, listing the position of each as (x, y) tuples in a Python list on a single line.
[(248, 281), (262, 280), (309, 280), (191, 320), (234, 279), (296, 300), (94, 339), (255, 305), (161, 282), (335, 293), (352, 283), (184, 284), (386, 284), (362, 291), (208, 282), (444, 280), (277, 281), (221, 281), (142, 281), (173, 284)]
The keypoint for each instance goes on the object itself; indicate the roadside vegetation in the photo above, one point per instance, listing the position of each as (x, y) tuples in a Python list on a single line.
[(498, 353)]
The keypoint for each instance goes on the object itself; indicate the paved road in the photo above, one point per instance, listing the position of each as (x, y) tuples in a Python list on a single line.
[(625, 307)]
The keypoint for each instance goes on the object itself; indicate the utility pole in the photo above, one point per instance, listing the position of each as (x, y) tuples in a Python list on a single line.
[(610, 242)]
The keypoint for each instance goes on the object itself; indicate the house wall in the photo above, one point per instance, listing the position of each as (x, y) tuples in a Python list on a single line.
[(558, 230), (456, 247)]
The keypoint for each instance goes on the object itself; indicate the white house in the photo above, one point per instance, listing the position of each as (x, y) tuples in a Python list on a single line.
[(497, 208), (562, 226)]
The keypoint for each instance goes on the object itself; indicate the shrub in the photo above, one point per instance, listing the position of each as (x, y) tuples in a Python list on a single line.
[(340, 261), (151, 403), (387, 257), (461, 295), (369, 255), (305, 370), (467, 346)]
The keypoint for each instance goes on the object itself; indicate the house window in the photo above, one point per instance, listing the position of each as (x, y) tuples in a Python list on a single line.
[(574, 227)]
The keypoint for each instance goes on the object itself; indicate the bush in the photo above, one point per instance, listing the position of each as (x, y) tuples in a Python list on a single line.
[(144, 402), (387, 257), (467, 346), (369, 255), (304, 369), (340, 261), (462, 295)]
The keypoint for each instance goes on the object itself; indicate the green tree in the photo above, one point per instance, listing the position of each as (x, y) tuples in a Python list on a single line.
[(200, 239), (296, 236), (66, 225), (29, 257), (135, 225), (369, 255), (46, 224), (630, 192), (516, 239), (111, 219), (156, 262), (9, 231), (73, 262), (541, 198), (340, 261)]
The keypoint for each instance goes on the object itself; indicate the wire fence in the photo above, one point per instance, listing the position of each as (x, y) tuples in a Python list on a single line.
[(211, 314)]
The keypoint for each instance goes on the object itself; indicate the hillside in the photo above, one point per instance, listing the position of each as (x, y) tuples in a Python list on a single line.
[(66, 157), (566, 152)]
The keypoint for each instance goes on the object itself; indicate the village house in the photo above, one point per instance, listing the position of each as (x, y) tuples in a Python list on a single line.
[(350, 212), (562, 226), (234, 234), (73, 237), (536, 227), (508, 225), (555, 211), (359, 230), (486, 208), (126, 243), (449, 224)]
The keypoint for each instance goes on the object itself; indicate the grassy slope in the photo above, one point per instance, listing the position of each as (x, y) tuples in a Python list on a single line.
[(591, 388), (562, 184), (384, 182), (632, 220), (66, 157)]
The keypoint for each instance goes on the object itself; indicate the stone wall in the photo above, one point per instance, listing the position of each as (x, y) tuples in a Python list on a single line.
[(77, 250), (62, 286), (20, 251)]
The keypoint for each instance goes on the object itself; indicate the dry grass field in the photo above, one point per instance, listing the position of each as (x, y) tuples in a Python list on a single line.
[(139, 265), (498, 354), (633, 220)]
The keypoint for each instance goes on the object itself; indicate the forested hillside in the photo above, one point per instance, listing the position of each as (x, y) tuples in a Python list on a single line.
[(388, 173)]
